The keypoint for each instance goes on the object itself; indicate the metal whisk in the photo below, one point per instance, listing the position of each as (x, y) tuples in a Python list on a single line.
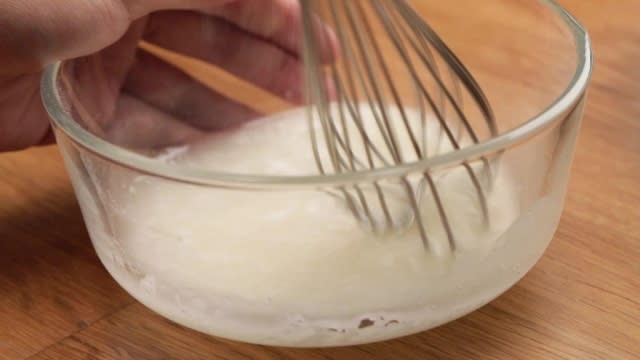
[(395, 68)]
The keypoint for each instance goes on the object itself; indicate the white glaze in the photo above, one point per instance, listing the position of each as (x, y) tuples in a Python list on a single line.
[(294, 268)]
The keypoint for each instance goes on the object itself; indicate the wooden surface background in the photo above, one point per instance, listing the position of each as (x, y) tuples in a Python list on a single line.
[(582, 300)]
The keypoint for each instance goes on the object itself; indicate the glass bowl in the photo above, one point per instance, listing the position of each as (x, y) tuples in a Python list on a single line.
[(260, 254)]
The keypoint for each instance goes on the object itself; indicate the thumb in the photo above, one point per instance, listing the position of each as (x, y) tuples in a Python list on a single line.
[(34, 33)]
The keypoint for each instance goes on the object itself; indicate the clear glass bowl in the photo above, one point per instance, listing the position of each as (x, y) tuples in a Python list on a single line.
[(205, 244)]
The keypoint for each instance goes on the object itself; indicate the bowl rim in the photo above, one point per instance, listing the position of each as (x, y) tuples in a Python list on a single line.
[(565, 102)]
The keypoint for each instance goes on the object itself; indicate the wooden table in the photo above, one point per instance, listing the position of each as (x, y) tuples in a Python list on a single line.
[(581, 301)]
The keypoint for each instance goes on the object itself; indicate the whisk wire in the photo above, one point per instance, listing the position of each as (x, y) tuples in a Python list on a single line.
[(351, 69), (348, 144), (456, 104)]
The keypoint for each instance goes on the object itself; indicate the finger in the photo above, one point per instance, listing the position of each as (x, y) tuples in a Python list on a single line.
[(141, 126), (37, 32), (170, 90), (92, 83), (139, 8), (279, 21), (226, 46)]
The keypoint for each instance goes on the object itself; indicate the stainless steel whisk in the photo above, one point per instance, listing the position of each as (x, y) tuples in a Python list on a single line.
[(392, 64)]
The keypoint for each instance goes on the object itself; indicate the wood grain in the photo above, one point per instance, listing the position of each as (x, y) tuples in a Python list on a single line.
[(222, 82), (582, 300)]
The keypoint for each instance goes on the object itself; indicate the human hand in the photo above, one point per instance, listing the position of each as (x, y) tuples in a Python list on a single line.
[(257, 40)]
